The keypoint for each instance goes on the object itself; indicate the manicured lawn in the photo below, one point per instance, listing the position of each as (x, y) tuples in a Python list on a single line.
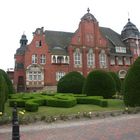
[(56, 111)]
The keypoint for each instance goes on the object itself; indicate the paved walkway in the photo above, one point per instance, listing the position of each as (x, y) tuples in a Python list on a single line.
[(113, 128)]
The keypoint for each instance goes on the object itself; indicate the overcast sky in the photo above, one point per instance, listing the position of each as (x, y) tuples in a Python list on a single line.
[(24, 16)]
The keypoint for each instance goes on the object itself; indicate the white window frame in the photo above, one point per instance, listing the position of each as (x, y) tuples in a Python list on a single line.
[(91, 58), (59, 75), (77, 57), (120, 60), (112, 60), (34, 59), (127, 60), (120, 49), (42, 59), (103, 59)]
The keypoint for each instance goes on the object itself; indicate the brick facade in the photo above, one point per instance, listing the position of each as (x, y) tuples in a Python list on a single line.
[(52, 54)]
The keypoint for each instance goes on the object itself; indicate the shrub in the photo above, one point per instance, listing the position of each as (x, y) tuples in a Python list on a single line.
[(10, 88), (66, 101), (71, 83), (31, 106), (3, 92), (96, 100), (99, 83), (117, 81), (19, 102), (131, 86)]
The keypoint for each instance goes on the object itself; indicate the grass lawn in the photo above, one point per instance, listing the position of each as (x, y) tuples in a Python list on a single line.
[(113, 104)]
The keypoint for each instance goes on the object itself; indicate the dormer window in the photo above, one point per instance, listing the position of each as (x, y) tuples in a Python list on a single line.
[(120, 49)]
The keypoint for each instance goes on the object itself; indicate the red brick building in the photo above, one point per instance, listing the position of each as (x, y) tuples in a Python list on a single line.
[(52, 54)]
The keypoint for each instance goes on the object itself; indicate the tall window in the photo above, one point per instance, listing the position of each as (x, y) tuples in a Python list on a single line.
[(112, 60), (102, 59), (127, 60), (43, 59), (34, 59), (90, 58), (120, 61), (77, 57), (59, 75)]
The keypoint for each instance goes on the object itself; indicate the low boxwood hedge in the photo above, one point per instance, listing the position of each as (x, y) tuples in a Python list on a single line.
[(61, 102), (19, 102), (96, 100), (31, 106)]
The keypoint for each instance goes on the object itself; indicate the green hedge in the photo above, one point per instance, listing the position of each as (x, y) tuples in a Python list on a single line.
[(31, 106), (20, 102), (96, 100), (61, 102), (72, 82), (99, 83), (131, 85)]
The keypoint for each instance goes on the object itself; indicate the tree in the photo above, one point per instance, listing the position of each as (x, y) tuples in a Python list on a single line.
[(71, 83), (99, 83), (131, 85), (10, 88), (3, 87), (117, 81)]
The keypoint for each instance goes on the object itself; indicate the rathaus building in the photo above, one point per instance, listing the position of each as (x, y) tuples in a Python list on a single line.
[(52, 54)]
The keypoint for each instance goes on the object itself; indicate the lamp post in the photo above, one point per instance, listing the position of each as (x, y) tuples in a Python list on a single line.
[(15, 124)]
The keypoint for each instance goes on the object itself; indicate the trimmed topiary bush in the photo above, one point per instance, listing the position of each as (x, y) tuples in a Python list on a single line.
[(71, 83), (19, 102), (131, 86), (10, 88), (99, 83), (31, 106), (3, 92), (61, 101), (117, 81), (96, 100)]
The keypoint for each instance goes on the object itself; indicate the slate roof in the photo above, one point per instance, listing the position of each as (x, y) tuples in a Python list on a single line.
[(130, 31), (58, 41), (89, 16), (114, 39), (23, 43)]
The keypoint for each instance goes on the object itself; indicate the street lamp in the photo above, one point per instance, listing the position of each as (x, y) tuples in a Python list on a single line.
[(15, 124)]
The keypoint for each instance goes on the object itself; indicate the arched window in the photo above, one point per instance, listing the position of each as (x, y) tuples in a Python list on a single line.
[(102, 59), (90, 58), (77, 57)]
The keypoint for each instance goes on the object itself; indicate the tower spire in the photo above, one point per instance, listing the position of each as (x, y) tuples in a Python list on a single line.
[(128, 17)]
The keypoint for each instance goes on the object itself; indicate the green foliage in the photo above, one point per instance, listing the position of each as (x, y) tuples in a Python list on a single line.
[(3, 95), (61, 101), (96, 100), (117, 81), (10, 88), (31, 106), (19, 102), (131, 86), (71, 83), (99, 83)]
